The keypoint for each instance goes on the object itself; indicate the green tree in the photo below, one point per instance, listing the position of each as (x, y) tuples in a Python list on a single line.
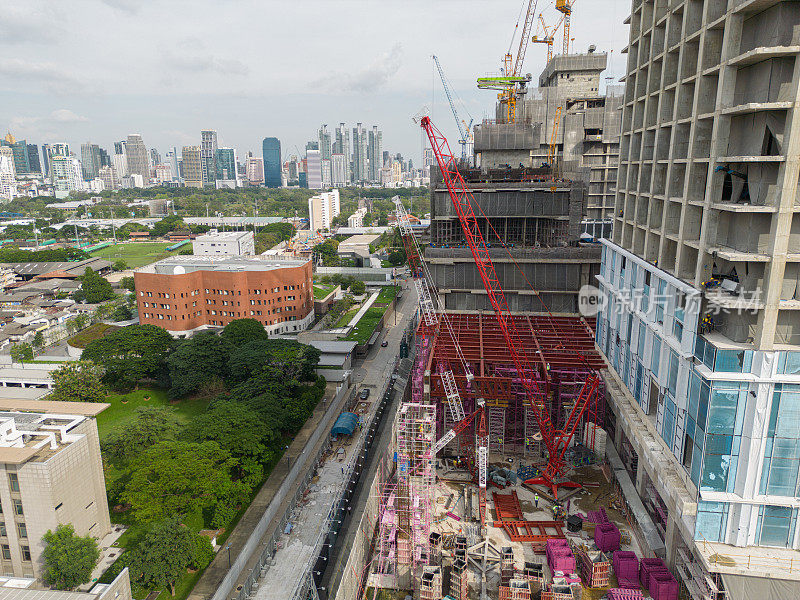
[(241, 331), (167, 224), (151, 424), (95, 287), (196, 362), (397, 258), (178, 478), (120, 265), (38, 340), (21, 352), (68, 558), (358, 288), (163, 555), (77, 381), (130, 354), (287, 359), (122, 313), (238, 430), (127, 283)]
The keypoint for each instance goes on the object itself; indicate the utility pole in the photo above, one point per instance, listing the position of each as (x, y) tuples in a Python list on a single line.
[(113, 228)]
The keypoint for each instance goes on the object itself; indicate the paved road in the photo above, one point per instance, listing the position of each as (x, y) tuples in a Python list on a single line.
[(297, 547)]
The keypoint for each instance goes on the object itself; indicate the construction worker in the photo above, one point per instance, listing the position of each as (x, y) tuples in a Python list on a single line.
[(536, 500)]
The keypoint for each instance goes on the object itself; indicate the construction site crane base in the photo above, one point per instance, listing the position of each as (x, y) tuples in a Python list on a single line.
[(429, 541)]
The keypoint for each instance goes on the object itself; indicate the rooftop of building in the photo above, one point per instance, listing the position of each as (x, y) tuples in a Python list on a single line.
[(358, 241), (178, 265), (22, 588), (223, 236), (41, 268), (35, 435)]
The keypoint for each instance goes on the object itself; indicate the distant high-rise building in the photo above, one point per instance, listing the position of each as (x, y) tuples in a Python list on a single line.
[(137, 157), (163, 173), (271, 149), (339, 170), (171, 159), (155, 157), (375, 153), (33, 158), (61, 149), (19, 149), (105, 159), (192, 166), (8, 182), (120, 165), (119, 147), (325, 142), (314, 169), (226, 165), (90, 157), (342, 146), (254, 168), (359, 154), (66, 174), (326, 173), (208, 146), (386, 157), (109, 177), (322, 208), (47, 152)]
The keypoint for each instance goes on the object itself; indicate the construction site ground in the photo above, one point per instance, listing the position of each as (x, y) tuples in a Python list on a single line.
[(297, 546), (597, 492)]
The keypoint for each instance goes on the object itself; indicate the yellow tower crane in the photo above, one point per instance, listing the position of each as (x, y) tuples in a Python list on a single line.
[(548, 36), (565, 7)]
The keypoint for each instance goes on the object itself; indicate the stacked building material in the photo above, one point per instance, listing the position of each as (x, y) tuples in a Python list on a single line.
[(626, 568), (534, 571), (623, 594), (647, 566), (663, 586), (559, 556), (527, 472), (516, 589), (606, 536), (593, 567)]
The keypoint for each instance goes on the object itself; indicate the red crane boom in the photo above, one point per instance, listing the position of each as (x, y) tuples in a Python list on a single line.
[(556, 441)]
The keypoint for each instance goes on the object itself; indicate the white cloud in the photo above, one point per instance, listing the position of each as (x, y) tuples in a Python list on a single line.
[(44, 128), (369, 79), (64, 115)]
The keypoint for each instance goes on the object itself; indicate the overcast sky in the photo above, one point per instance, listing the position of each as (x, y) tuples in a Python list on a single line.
[(96, 70)]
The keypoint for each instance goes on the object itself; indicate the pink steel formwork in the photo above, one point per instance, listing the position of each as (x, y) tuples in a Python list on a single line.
[(624, 594)]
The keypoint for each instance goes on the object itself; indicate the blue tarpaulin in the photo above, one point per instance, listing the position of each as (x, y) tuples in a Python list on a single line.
[(345, 424)]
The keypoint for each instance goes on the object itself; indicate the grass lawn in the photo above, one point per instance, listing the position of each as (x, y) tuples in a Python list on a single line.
[(386, 294), (386, 264), (345, 319), (122, 406), (90, 334), (321, 290), (136, 254), (366, 325)]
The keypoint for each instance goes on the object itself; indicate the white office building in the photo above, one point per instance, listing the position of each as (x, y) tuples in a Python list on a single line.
[(229, 243), (322, 208)]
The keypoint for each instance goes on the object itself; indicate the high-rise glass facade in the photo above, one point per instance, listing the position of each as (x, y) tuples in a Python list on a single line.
[(271, 148)]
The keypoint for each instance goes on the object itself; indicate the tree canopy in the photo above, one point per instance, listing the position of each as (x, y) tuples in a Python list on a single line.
[(68, 558), (130, 354), (241, 331), (78, 381), (198, 361), (167, 549), (237, 429), (20, 352), (287, 359), (151, 424), (175, 477), (95, 287)]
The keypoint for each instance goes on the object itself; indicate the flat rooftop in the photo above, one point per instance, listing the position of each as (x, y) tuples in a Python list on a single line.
[(178, 265), (28, 435), (362, 239), (223, 236)]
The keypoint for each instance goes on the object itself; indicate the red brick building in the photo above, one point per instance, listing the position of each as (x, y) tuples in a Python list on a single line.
[(185, 293)]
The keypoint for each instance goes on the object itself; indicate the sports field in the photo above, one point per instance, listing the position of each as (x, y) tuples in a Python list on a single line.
[(136, 254)]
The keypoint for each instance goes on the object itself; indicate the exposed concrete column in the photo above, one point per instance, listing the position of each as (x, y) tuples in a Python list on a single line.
[(672, 538)]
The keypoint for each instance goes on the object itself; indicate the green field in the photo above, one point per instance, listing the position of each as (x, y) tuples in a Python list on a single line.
[(123, 406), (347, 317), (321, 290), (136, 254)]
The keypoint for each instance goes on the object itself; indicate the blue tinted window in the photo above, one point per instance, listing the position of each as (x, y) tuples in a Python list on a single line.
[(712, 519)]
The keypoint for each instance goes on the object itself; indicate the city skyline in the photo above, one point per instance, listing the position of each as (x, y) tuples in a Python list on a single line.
[(198, 88)]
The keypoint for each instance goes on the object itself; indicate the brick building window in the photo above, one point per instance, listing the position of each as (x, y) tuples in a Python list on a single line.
[(13, 482)]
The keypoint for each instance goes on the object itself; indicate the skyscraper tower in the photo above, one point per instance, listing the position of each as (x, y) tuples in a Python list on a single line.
[(325, 143), (341, 146), (155, 157), (271, 149), (137, 157), (359, 154), (192, 166), (90, 158), (375, 154), (208, 149)]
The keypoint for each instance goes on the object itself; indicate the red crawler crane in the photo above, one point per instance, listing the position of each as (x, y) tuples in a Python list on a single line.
[(555, 440)]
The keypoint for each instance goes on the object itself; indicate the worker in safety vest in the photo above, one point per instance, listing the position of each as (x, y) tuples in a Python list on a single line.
[(536, 500)]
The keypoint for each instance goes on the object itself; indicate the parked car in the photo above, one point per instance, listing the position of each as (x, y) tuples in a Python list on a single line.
[(364, 394), (384, 343)]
